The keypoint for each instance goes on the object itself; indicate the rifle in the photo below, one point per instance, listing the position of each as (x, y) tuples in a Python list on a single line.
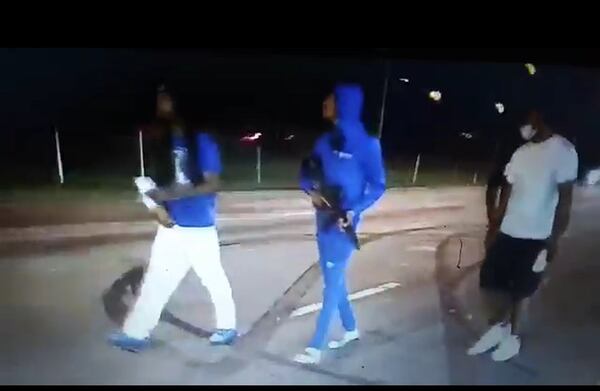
[(312, 167)]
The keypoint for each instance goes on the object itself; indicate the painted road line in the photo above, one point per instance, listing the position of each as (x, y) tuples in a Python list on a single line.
[(307, 309), (422, 248)]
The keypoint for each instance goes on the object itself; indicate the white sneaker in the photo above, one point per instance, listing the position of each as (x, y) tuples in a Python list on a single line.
[(490, 339), (311, 356), (349, 336), (508, 348)]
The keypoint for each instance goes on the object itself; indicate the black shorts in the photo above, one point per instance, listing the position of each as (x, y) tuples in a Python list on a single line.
[(508, 266)]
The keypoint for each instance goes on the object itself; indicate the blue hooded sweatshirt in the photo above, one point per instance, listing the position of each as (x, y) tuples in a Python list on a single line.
[(350, 157)]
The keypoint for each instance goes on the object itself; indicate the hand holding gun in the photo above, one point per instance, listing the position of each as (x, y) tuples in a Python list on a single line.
[(329, 198)]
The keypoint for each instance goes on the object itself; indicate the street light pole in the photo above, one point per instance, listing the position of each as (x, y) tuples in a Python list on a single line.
[(384, 98), (141, 149), (59, 164), (258, 164)]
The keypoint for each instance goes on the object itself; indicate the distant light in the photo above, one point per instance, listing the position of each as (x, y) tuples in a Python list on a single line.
[(290, 137), (435, 95), (466, 135), (404, 80), (252, 137), (500, 107), (530, 68)]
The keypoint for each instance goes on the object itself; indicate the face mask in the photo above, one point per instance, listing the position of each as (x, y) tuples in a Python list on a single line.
[(527, 132)]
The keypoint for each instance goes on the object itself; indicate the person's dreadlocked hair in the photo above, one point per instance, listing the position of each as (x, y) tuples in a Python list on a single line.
[(161, 163)]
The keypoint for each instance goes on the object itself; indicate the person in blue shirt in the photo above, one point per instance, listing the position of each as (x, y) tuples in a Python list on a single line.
[(186, 168), (352, 161)]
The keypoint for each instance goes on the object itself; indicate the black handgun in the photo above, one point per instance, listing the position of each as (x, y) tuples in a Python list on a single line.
[(312, 168)]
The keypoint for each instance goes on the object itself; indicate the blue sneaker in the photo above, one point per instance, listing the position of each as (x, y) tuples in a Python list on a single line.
[(223, 337), (123, 341)]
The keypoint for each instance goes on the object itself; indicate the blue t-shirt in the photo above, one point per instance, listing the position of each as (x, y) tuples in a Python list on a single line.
[(197, 211)]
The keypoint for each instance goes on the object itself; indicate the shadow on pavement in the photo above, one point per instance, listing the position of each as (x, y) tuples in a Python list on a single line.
[(121, 295)]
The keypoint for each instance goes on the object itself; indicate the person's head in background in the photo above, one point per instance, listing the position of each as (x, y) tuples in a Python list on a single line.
[(165, 104), (329, 110), (167, 113), (345, 103), (534, 129)]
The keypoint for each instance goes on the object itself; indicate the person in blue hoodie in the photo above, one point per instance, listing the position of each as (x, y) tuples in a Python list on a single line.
[(352, 161)]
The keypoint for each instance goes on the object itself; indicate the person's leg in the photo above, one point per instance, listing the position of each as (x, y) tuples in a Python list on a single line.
[(511, 343), (205, 256), (334, 255), (526, 278), (499, 310), (348, 320), (166, 269), (525, 283), (494, 281), (345, 308), (333, 275), (515, 315), (497, 306), (335, 250)]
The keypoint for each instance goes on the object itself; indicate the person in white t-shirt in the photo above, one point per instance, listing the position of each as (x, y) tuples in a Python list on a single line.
[(533, 214)]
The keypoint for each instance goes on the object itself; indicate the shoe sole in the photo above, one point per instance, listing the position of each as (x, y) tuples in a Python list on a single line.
[(129, 349), (344, 345), (506, 359), (302, 362), (223, 343), (480, 352)]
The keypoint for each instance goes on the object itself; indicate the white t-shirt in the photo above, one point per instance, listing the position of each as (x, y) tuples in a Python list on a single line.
[(535, 171)]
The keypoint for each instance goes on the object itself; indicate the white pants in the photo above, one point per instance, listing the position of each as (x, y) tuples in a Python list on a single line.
[(174, 252)]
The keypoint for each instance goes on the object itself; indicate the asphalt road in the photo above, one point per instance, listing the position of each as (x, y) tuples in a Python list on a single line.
[(417, 311)]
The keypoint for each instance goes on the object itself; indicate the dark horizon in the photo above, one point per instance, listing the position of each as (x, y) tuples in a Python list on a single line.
[(97, 91)]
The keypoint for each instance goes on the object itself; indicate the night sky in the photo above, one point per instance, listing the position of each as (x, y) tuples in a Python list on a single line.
[(92, 92)]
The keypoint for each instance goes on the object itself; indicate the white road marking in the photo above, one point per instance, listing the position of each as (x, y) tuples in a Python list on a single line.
[(422, 248), (307, 309)]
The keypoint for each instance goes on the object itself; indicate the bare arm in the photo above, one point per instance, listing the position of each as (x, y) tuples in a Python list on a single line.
[(496, 213), (162, 216), (496, 183), (500, 211), (562, 215), (490, 201)]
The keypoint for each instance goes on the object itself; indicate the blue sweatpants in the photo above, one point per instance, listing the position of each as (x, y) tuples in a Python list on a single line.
[(335, 250)]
